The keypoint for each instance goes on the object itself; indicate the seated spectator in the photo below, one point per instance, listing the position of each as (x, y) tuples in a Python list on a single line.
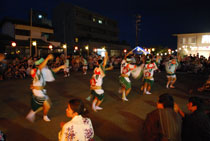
[(78, 128), (1, 57), (9, 73), (28, 70), (163, 123), (22, 71), (196, 126), (206, 86), (1, 71)]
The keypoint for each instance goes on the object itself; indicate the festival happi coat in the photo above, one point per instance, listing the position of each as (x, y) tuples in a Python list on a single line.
[(40, 77), (149, 71), (171, 66), (126, 69), (96, 81)]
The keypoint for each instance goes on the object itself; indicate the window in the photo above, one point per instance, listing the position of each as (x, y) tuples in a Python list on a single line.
[(76, 40), (22, 32), (100, 21), (205, 39), (183, 40), (192, 40), (39, 16), (94, 19)]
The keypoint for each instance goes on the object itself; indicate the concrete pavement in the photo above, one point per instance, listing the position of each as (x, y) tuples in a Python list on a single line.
[(117, 121)]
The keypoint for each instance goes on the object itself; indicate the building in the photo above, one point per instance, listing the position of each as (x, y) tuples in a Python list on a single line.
[(86, 31), (193, 44), (20, 33)]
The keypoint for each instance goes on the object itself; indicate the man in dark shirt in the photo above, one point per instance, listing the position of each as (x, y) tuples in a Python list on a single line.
[(196, 126), (163, 123)]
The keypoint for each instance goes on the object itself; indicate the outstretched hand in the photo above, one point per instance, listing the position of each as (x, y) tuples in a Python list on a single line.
[(63, 67), (50, 57)]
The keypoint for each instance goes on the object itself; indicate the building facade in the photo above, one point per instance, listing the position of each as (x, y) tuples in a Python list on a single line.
[(23, 34), (86, 30), (194, 44)]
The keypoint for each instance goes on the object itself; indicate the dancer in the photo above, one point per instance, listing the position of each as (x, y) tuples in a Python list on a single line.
[(67, 68), (149, 69), (41, 74), (96, 83), (84, 65), (171, 67), (125, 71)]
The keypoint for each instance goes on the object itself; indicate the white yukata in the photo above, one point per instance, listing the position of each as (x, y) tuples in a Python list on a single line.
[(78, 129)]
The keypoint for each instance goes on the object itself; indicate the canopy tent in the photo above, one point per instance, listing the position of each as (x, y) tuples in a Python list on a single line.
[(139, 50)]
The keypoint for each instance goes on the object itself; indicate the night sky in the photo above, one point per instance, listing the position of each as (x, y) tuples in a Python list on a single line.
[(160, 18)]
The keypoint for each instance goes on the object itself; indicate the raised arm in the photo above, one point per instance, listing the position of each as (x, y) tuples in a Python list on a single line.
[(44, 63), (105, 59), (58, 68), (128, 54)]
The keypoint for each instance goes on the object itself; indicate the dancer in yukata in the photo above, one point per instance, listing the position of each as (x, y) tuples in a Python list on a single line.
[(125, 71), (41, 74), (149, 69), (171, 67), (96, 83)]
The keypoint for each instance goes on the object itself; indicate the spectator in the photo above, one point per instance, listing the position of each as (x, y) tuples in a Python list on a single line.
[(78, 128), (1, 57), (163, 123), (196, 126)]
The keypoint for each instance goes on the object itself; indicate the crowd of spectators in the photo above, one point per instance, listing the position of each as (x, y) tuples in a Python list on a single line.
[(19, 68)]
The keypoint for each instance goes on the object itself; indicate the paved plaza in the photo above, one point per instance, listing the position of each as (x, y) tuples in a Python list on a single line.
[(117, 121)]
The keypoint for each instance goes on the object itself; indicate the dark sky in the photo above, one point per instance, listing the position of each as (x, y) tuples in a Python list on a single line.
[(160, 18)]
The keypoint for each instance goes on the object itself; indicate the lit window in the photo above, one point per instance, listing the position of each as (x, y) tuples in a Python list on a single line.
[(183, 40), (205, 39), (76, 40), (100, 21), (39, 16), (192, 40), (94, 19)]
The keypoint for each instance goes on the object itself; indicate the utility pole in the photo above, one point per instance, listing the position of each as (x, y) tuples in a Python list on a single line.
[(138, 21), (30, 32)]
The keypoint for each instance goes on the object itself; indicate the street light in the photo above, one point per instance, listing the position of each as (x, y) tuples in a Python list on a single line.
[(95, 50), (34, 43), (153, 49), (125, 50), (13, 44), (76, 48), (65, 49), (50, 47), (64, 46), (87, 48)]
